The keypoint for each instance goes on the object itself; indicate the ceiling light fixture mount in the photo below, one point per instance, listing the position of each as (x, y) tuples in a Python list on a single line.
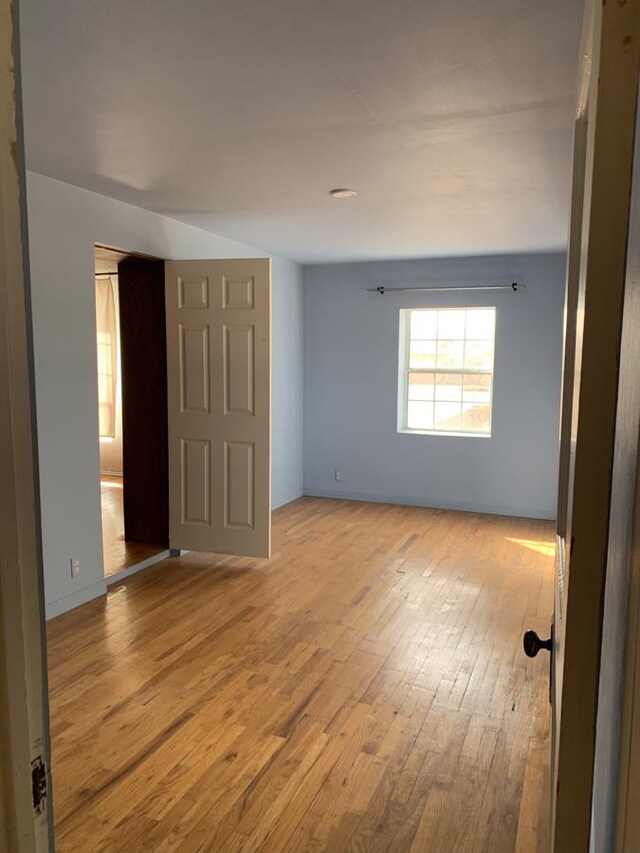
[(343, 192)]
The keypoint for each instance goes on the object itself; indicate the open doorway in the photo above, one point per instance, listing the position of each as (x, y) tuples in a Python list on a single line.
[(131, 346)]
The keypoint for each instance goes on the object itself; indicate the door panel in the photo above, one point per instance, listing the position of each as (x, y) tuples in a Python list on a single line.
[(194, 369), (239, 357), (239, 473), (195, 492), (218, 344)]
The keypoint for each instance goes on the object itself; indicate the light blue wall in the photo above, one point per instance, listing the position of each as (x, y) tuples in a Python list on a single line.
[(350, 399), (64, 224), (286, 382)]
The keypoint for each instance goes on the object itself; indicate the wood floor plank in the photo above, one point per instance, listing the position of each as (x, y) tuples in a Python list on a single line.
[(363, 690), (117, 553)]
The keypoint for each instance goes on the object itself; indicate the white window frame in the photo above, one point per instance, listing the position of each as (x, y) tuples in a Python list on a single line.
[(404, 369)]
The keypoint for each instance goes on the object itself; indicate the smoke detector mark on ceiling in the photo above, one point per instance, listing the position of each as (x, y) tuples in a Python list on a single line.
[(343, 192)]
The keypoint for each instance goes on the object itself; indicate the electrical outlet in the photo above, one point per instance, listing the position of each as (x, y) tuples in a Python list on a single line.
[(338, 475), (75, 566)]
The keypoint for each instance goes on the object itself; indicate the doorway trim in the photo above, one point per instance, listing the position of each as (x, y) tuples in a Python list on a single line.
[(136, 271), (26, 824)]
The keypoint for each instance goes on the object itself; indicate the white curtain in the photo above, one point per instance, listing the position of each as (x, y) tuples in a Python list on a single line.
[(107, 355)]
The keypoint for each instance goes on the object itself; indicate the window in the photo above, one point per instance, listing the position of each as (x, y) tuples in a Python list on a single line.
[(106, 327), (446, 370)]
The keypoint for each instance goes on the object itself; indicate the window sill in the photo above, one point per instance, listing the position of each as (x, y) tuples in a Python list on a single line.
[(446, 433)]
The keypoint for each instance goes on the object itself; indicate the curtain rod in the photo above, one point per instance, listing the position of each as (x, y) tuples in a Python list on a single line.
[(382, 288)]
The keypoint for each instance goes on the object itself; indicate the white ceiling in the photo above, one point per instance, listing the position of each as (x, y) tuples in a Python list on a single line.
[(452, 118)]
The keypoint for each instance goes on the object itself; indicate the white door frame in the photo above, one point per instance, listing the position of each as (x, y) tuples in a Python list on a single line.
[(24, 728), (627, 795), (590, 427), (621, 675)]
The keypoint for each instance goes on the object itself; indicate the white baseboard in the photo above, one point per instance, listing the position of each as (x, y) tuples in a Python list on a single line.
[(286, 501), (75, 599), (138, 567), (485, 509), (95, 590)]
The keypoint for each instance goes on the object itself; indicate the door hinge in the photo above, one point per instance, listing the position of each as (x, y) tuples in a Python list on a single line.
[(39, 784)]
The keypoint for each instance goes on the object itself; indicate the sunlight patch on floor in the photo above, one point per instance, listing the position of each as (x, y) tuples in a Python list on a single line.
[(548, 549)]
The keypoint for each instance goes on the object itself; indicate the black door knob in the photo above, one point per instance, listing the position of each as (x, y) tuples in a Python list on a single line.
[(532, 644)]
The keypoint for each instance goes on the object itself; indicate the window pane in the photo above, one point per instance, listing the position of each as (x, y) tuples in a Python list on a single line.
[(443, 393), (478, 355), (421, 386), (476, 388), (422, 354), (449, 387), (451, 324), (419, 415), (447, 417), (450, 354), (476, 418), (481, 324), (424, 325)]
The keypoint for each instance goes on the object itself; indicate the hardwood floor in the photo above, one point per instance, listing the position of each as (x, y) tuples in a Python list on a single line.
[(364, 690), (117, 553)]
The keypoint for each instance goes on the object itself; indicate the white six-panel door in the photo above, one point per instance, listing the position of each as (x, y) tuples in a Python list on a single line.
[(218, 356)]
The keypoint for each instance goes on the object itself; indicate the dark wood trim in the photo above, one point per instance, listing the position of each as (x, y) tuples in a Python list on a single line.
[(144, 400)]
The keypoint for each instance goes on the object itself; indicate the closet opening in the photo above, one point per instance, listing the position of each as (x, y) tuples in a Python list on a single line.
[(132, 409)]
